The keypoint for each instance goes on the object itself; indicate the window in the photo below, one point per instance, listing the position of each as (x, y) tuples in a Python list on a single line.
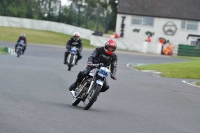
[(139, 20), (189, 25)]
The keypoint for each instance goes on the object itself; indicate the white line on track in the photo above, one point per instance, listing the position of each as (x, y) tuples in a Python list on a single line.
[(129, 65), (190, 83), (156, 75)]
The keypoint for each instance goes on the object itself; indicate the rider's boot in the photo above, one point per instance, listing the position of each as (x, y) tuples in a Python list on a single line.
[(72, 88), (65, 58), (78, 80), (23, 51), (79, 57), (15, 48), (76, 63), (65, 61)]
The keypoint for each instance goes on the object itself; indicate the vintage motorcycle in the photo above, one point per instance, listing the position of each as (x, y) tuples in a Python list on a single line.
[(71, 59), (90, 87), (20, 48)]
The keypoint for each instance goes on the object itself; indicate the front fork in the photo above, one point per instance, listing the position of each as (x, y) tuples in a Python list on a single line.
[(74, 59), (90, 87), (68, 58)]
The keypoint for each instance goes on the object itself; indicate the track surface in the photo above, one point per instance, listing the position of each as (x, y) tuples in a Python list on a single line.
[(34, 97)]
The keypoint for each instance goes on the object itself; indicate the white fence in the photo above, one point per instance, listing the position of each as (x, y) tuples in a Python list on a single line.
[(132, 45), (43, 25), (125, 44)]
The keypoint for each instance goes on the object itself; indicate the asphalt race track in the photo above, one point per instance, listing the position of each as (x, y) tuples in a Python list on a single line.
[(34, 97)]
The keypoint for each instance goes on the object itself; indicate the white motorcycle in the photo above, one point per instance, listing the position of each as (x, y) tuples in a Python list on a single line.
[(20, 48), (90, 87), (71, 59)]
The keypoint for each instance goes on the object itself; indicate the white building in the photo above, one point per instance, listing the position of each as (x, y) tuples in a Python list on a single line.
[(173, 20)]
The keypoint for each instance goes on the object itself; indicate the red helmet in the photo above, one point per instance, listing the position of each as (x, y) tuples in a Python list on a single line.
[(110, 43)]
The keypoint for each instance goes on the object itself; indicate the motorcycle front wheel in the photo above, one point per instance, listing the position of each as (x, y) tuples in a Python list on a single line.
[(18, 52), (92, 96), (70, 63)]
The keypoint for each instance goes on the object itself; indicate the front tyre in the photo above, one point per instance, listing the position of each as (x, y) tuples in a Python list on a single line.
[(18, 52), (70, 62), (92, 96)]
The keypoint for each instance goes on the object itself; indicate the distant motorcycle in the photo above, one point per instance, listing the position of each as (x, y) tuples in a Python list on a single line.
[(20, 48), (90, 87), (71, 59)]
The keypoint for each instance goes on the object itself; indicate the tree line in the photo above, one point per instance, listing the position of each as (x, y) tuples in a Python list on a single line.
[(94, 14)]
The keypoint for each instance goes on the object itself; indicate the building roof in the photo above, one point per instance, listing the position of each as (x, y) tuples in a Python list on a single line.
[(192, 35), (178, 9)]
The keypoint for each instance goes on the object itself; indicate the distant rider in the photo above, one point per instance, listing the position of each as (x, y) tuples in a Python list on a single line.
[(22, 37), (74, 41)]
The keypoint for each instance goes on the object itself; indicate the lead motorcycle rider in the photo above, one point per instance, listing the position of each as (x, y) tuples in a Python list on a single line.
[(74, 41), (105, 55)]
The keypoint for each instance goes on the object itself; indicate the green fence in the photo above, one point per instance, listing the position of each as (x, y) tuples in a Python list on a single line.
[(188, 50)]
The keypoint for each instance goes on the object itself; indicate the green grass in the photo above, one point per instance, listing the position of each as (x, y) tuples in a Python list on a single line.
[(190, 69), (198, 83), (2, 50), (187, 57), (37, 36)]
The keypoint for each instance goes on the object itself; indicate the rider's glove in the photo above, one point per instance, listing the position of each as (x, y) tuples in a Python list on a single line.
[(68, 47), (80, 49), (113, 77)]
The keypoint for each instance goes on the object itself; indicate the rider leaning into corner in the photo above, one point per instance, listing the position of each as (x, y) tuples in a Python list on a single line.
[(105, 55), (74, 41), (21, 37)]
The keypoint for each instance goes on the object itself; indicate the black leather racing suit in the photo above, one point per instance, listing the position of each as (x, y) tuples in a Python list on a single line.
[(77, 43), (25, 41), (99, 56)]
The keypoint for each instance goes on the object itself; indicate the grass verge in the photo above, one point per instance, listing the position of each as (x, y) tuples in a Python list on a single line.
[(189, 70), (9, 34), (198, 83), (2, 50)]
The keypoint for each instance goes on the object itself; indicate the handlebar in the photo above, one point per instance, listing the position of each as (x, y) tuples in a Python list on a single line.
[(69, 48), (96, 65), (100, 65)]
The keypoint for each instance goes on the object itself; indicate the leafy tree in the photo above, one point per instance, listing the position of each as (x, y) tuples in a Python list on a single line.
[(92, 16), (113, 15)]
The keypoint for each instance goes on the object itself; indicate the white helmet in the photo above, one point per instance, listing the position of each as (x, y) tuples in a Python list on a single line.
[(23, 35), (76, 36)]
